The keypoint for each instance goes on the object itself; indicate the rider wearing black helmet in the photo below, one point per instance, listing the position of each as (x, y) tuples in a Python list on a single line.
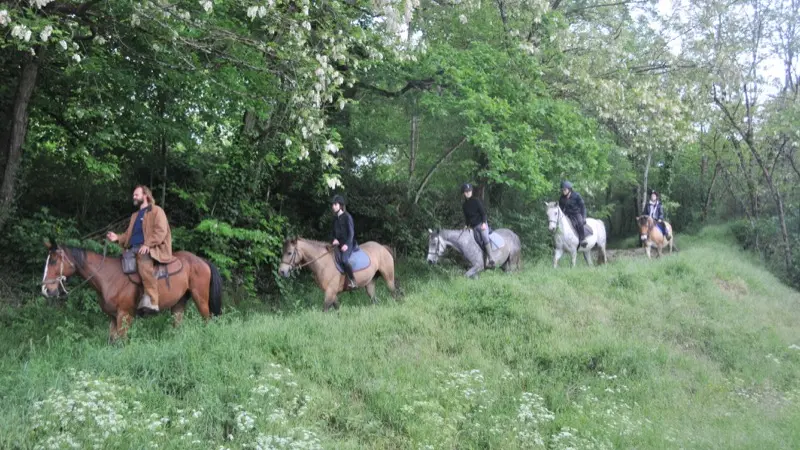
[(344, 242), (475, 217), (574, 208)]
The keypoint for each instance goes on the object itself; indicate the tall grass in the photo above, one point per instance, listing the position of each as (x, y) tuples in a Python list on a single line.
[(696, 350)]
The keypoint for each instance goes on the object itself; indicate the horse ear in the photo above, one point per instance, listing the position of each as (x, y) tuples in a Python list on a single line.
[(52, 244), (430, 231)]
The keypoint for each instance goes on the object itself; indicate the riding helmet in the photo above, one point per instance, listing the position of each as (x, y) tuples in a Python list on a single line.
[(566, 185), (337, 199), (466, 187)]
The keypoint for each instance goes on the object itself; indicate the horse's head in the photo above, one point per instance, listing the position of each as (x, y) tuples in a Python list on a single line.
[(645, 224), (553, 215), (57, 268), (436, 246), (290, 257)]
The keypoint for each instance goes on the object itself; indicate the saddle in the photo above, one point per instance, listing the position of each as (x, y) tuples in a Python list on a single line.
[(160, 270)]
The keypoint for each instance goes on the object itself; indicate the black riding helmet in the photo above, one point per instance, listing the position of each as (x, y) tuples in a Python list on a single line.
[(566, 185), (338, 199), (466, 187)]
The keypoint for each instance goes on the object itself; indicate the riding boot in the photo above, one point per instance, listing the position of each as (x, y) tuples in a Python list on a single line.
[(351, 279), (487, 253), (145, 267)]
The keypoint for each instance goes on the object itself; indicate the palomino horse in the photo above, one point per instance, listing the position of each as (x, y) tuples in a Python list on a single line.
[(119, 295), (508, 257), (318, 256), (566, 239), (651, 235)]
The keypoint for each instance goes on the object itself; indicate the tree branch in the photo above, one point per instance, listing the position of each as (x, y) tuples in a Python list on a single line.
[(436, 166)]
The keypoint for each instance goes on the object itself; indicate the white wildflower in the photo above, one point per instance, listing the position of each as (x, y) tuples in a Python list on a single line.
[(76, 57), (39, 3), (252, 11), (288, 142), (333, 181), (307, 25), (100, 40), (303, 152), (63, 44), (207, 5), (331, 147), (462, 18), (21, 32), (4, 18), (45, 34)]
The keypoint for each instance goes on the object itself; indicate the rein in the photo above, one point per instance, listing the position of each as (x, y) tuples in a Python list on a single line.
[(294, 257)]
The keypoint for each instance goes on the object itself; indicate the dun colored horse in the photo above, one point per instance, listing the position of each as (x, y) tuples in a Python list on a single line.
[(651, 235), (119, 294), (318, 256)]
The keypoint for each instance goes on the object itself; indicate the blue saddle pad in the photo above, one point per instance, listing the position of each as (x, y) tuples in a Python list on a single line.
[(497, 241), (358, 260)]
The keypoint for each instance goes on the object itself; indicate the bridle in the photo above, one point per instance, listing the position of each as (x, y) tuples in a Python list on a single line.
[(291, 263), (438, 241), (60, 279), (557, 220)]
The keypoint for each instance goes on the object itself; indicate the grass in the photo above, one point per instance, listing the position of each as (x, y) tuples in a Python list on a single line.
[(696, 350)]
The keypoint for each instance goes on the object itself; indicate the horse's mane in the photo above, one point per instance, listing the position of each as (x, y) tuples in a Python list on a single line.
[(78, 256), (315, 242)]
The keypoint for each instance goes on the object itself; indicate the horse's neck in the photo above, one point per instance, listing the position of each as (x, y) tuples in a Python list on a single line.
[(96, 269), (566, 224), (453, 237), (312, 253)]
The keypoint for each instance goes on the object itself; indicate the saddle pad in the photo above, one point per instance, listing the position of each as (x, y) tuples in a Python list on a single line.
[(161, 271), (497, 241), (358, 260)]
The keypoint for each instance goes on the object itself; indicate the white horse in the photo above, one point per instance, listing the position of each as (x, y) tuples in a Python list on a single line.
[(566, 239)]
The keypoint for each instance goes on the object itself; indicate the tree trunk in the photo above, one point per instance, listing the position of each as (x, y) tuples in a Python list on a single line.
[(16, 137), (414, 144), (646, 174), (710, 191)]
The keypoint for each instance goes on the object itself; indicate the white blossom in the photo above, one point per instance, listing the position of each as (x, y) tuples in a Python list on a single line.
[(333, 181), (207, 5), (4, 18), (63, 44), (45, 34), (39, 3), (21, 32), (76, 57), (462, 18), (331, 147)]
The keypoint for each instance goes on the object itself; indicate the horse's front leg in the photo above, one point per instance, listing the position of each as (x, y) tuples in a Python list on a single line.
[(647, 249), (660, 248), (559, 252), (574, 256), (330, 300), (473, 271), (124, 320), (113, 335)]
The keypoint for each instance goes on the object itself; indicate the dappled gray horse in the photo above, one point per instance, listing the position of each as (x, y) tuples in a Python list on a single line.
[(566, 239), (508, 257)]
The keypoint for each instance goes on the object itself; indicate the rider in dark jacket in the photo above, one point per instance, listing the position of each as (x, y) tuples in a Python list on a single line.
[(574, 208), (344, 241), (475, 218), (655, 209)]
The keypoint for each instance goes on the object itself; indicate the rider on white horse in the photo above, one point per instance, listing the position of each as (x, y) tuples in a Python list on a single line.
[(574, 208), (475, 217)]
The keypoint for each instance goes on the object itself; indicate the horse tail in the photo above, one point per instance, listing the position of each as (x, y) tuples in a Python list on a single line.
[(390, 250), (214, 290)]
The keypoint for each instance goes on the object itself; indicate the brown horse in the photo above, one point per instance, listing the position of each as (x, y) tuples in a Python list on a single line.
[(191, 276), (318, 256), (651, 235)]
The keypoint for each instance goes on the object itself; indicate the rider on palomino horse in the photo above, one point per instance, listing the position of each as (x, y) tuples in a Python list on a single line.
[(655, 209), (572, 205), (344, 241), (149, 236), (475, 217)]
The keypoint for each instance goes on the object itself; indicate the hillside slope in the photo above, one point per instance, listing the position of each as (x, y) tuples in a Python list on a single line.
[(697, 350)]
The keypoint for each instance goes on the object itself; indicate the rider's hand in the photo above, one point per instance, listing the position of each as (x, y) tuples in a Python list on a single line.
[(112, 236), (344, 248), (143, 250), (335, 242), (484, 226)]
